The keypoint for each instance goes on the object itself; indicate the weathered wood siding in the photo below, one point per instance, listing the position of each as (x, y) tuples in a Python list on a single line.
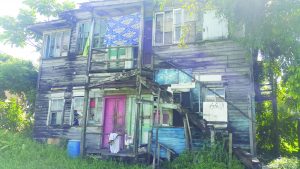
[(223, 58)]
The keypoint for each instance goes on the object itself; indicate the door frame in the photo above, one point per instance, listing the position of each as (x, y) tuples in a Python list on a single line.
[(105, 98)]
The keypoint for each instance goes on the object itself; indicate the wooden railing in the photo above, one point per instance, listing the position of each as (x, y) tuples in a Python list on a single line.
[(101, 61)]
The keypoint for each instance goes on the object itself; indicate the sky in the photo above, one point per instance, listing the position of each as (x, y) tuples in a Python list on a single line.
[(11, 8)]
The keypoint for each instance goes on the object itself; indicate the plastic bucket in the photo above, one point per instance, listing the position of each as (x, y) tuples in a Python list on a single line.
[(74, 148)]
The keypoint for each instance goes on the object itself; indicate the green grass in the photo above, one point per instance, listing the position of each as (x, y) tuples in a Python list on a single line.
[(19, 152)]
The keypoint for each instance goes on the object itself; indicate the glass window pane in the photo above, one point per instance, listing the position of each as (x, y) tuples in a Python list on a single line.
[(78, 103), (57, 105), (122, 51), (178, 17), (177, 33), (168, 27), (159, 28)]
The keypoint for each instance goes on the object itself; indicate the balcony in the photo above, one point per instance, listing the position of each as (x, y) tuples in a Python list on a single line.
[(114, 59)]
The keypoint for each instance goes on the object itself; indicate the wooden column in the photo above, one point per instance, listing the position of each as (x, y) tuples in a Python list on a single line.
[(86, 93), (156, 133), (230, 149)]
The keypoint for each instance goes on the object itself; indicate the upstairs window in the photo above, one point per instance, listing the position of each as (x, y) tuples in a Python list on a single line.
[(83, 34), (177, 24), (56, 109), (168, 26), (100, 30), (56, 44)]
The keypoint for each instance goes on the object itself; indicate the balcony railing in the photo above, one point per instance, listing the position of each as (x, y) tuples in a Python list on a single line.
[(114, 59)]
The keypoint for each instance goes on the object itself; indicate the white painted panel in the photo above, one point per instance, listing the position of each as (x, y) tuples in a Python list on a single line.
[(215, 111), (214, 26), (208, 78)]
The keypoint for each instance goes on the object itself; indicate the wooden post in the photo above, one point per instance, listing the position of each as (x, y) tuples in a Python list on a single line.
[(230, 149), (86, 92), (138, 82), (212, 136), (189, 132), (156, 133), (149, 145), (158, 155), (137, 118)]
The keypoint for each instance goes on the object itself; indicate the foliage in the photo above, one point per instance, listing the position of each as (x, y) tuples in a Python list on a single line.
[(214, 157), (284, 163), (287, 120), (18, 77), (15, 28), (12, 116), (19, 152)]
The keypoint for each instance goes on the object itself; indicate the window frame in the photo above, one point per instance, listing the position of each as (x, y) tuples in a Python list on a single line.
[(49, 117), (73, 108), (175, 25), (46, 46), (129, 54), (78, 33), (173, 41), (163, 35), (98, 107)]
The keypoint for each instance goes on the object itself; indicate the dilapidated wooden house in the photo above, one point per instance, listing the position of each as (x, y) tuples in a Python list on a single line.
[(130, 67)]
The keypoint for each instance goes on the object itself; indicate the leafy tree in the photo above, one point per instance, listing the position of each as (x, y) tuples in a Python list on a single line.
[(18, 77), (15, 28)]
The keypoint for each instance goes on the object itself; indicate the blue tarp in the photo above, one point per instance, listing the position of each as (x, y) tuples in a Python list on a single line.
[(123, 30)]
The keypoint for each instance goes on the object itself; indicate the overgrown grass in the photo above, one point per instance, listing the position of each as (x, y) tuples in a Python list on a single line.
[(20, 152), (210, 158)]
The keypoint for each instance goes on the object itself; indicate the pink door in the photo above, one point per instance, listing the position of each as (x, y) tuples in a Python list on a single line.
[(114, 118)]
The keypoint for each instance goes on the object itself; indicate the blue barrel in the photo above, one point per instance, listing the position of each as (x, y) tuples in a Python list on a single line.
[(74, 148)]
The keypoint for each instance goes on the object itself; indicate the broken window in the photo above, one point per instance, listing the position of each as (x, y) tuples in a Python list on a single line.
[(95, 110), (77, 111), (163, 120), (83, 34), (56, 109), (56, 44)]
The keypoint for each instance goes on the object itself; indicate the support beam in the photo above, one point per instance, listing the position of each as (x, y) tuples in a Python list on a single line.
[(230, 149), (86, 93)]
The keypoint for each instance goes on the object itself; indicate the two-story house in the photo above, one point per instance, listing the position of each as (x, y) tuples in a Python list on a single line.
[(128, 67)]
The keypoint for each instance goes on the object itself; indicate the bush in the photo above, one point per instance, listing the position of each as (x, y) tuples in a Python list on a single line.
[(214, 157), (285, 163), (13, 116)]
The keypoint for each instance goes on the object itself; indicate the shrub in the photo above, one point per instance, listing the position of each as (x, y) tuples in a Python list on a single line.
[(13, 116), (285, 163)]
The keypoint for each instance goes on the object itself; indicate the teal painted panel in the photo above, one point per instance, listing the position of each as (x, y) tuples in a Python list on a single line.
[(172, 76)]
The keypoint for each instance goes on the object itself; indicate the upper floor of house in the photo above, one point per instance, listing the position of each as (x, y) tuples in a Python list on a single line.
[(118, 31)]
